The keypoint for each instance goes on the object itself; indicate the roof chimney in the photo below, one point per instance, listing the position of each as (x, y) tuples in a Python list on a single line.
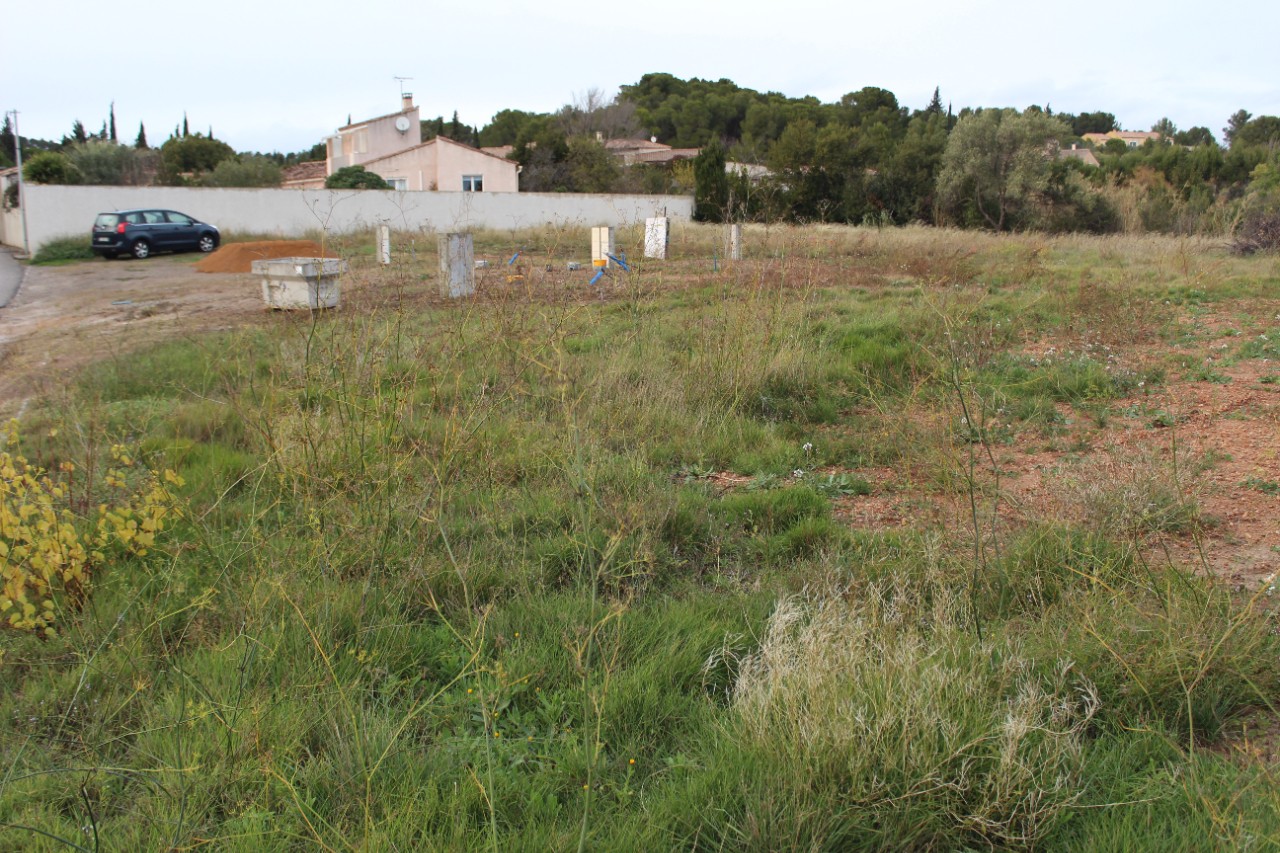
[(407, 99)]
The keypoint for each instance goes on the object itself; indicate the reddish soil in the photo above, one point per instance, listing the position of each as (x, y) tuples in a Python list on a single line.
[(239, 257)]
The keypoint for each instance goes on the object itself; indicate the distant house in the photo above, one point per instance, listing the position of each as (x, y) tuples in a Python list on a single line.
[(1075, 152), (442, 164), (304, 176), (651, 151), (1131, 138), (391, 146)]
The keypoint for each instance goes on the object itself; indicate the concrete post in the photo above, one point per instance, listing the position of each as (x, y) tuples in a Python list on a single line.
[(656, 237), (384, 244), (457, 265), (735, 242), (601, 246)]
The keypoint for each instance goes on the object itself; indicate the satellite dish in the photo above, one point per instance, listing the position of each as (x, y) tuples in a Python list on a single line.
[(402, 124)]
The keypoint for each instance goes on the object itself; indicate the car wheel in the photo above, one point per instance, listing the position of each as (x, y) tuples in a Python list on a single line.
[(141, 249), (207, 243)]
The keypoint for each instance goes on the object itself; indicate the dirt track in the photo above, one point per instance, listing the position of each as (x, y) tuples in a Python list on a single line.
[(65, 317)]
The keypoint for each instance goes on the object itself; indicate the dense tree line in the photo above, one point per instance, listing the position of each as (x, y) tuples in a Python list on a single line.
[(865, 158)]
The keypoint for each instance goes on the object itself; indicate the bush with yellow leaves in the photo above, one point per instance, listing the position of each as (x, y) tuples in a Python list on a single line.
[(48, 552)]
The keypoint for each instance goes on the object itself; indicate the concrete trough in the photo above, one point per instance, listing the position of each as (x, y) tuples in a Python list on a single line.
[(294, 283)]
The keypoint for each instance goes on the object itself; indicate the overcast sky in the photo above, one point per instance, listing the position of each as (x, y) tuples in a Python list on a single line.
[(274, 76)]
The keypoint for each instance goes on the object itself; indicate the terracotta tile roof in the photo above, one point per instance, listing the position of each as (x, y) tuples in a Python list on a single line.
[(617, 145), (311, 172), (433, 142)]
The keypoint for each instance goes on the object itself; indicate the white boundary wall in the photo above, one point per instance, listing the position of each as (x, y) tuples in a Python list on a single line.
[(59, 211)]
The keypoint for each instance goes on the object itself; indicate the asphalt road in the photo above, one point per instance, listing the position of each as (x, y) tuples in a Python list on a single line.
[(10, 277)]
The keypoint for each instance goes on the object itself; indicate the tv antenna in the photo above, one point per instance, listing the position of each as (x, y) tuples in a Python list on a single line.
[(401, 80)]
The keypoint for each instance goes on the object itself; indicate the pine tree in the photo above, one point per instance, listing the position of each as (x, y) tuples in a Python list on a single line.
[(8, 150), (113, 122), (77, 132), (141, 142), (935, 104)]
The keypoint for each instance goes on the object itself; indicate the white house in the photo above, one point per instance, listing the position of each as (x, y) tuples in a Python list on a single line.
[(391, 146)]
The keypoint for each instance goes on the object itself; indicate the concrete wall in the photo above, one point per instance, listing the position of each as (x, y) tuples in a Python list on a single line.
[(57, 211), (11, 224)]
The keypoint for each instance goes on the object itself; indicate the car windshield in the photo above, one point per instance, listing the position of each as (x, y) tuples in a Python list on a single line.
[(106, 220)]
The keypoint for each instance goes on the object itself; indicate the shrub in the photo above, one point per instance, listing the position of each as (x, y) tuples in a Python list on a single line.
[(63, 249), (355, 178), (1260, 232), (249, 170), (48, 554), (49, 167)]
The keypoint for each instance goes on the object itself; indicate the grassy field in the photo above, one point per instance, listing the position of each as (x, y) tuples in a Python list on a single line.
[(562, 567)]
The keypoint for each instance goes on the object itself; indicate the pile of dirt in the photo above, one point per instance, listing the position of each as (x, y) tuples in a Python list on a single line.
[(238, 257)]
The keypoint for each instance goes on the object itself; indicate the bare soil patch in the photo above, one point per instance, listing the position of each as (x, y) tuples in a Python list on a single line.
[(239, 257), (66, 317)]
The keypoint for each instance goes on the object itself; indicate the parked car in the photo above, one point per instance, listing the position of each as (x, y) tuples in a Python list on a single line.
[(142, 232)]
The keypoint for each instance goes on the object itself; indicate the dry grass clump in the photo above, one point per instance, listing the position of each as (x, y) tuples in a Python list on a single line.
[(899, 721), (1126, 493)]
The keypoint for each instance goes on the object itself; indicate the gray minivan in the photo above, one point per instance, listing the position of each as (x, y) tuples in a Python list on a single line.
[(144, 231)]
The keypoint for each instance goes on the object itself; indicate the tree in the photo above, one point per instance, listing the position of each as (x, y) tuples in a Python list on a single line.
[(1195, 136), (873, 105), (935, 103), (50, 167), (185, 127), (1166, 128), (141, 142), (592, 169), (541, 150), (355, 178), (100, 161), (77, 133), (246, 170), (507, 125), (189, 156), (1096, 122), (711, 185), (1261, 131), (997, 163), (1237, 121), (112, 137), (591, 113), (8, 144)]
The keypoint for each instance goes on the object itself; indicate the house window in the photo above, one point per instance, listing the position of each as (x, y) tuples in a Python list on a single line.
[(472, 183), (400, 184)]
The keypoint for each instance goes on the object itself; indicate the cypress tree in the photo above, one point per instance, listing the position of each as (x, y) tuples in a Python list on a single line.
[(710, 184), (935, 104), (113, 122), (141, 142)]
